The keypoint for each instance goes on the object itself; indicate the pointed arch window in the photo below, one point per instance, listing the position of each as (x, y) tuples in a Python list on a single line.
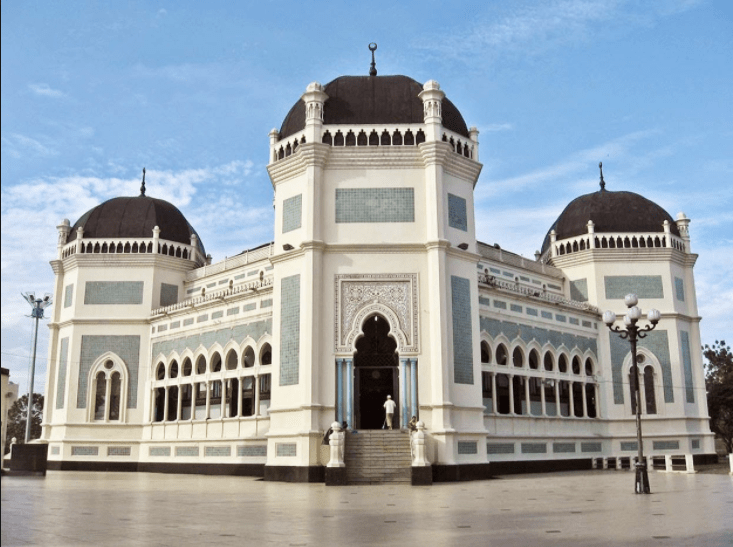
[(108, 393)]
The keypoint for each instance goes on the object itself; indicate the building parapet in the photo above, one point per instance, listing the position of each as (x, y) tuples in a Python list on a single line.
[(247, 257)]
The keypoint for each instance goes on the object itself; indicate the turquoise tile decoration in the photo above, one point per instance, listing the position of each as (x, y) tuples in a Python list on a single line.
[(666, 445), (500, 304), (574, 321), (657, 342), (375, 205), (55, 450), (687, 364), (695, 444), (467, 447), (534, 448), (160, 451), (187, 322), (68, 295), (85, 451), (532, 311), (500, 448), (494, 271), (113, 292), (175, 325), (187, 451), (266, 303), (292, 213), (233, 311), (217, 314), (591, 447), (286, 449), (515, 307), (679, 289), (61, 383), (202, 318), (217, 451), (561, 318), (249, 307), (119, 450), (252, 451), (629, 446), (643, 286), (527, 333), (563, 448), (457, 217), (556, 287), (484, 301), (125, 347), (290, 330), (579, 290), (462, 332), (546, 314)]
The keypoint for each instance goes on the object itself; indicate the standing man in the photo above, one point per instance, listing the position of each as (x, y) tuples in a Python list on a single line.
[(389, 406)]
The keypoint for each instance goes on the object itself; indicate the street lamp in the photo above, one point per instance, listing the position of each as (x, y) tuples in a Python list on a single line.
[(38, 306), (633, 333)]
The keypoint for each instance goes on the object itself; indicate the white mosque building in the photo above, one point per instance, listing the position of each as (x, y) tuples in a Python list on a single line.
[(375, 284)]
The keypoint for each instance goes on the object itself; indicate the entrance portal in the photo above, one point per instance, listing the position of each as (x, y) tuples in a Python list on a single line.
[(375, 375)]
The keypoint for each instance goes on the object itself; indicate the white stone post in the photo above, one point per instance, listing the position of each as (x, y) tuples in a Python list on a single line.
[(667, 233), (64, 228), (418, 440), (156, 239), (511, 394), (473, 134), (494, 403), (314, 99), (683, 225), (79, 236), (553, 240), (432, 98), (591, 235), (689, 463), (668, 463), (336, 441)]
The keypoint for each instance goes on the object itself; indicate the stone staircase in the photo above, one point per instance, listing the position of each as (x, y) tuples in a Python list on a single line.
[(377, 456)]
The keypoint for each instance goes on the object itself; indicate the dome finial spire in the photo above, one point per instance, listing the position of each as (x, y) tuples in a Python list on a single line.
[(373, 67), (603, 182), (142, 186)]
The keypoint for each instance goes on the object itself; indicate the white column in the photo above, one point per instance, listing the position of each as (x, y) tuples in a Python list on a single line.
[(585, 401), (542, 397), (403, 393), (494, 404), (165, 405), (511, 393), (571, 399), (179, 403), (350, 393), (558, 412), (339, 391), (257, 395), (107, 398), (526, 396), (207, 384), (413, 388)]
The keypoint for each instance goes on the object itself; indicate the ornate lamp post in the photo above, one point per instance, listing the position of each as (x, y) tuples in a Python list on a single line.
[(633, 333), (38, 306)]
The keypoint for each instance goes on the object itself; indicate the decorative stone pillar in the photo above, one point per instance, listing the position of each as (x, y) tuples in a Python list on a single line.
[(165, 404), (418, 446), (257, 395), (527, 402), (404, 364), (667, 237), (585, 401), (336, 441), (207, 384), (591, 235), (571, 399), (339, 390), (542, 398), (64, 229), (314, 99), (79, 236), (494, 403), (553, 240), (413, 388), (683, 225), (349, 393), (274, 137), (432, 98), (511, 394), (473, 135), (156, 239)]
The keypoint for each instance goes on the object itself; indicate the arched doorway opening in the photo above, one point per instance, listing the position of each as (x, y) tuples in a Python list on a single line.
[(375, 374)]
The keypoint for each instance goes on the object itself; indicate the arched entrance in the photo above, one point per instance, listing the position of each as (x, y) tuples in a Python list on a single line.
[(375, 374)]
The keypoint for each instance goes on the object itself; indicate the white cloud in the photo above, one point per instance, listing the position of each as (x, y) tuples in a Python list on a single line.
[(17, 146), (498, 127), (44, 90)]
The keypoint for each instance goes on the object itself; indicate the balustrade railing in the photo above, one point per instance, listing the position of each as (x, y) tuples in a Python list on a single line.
[(494, 282)]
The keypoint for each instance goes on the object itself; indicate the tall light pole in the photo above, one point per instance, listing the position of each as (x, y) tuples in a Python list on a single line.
[(633, 333), (38, 306)]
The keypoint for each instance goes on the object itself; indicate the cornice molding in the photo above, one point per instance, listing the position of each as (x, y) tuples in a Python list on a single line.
[(645, 255), (307, 155), (111, 260)]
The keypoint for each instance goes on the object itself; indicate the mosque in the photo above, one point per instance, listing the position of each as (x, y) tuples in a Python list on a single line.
[(375, 285)]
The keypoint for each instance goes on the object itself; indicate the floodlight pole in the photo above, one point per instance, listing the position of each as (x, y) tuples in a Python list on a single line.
[(38, 306)]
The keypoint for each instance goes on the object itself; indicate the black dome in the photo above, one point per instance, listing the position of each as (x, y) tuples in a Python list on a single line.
[(133, 217), (373, 100), (610, 212)]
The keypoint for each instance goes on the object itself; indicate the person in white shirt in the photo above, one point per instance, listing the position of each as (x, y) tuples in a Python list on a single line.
[(389, 407)]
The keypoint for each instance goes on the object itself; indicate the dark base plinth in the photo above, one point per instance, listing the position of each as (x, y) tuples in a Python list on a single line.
[(335, 476), (292, 473), (233, 469), (28, 459), (704, 459), (541, 466), (462, 472), (422, 476)]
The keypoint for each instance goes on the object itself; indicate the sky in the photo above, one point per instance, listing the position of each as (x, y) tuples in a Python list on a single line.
[(92, 92)]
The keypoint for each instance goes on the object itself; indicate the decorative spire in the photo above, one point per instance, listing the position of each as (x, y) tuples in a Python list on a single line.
[(603, 182), (142, 186), (373, 68)]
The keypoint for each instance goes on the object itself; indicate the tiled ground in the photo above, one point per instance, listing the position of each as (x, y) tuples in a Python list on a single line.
[(579, 508)]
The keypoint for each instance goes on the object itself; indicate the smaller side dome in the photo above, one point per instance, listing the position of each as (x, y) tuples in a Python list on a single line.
[(611, 212)]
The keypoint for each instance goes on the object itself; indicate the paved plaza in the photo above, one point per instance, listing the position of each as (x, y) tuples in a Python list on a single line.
[(575, 508)]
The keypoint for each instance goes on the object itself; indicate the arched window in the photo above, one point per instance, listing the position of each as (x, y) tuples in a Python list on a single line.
[(160, 372), (589, 367), (172, 413), (215, 362), (114, 396), (266, 355), (549, 361), (232, 360), (534, 360), (187, 368), (518, 358), (173, 369), (501, 355), (249, 357), (649, 395), (502, 393), (576, 365), (201, 365), (107, 389), (590, 398), (248, 396), (563, 363), (485, 352), (100, 396)]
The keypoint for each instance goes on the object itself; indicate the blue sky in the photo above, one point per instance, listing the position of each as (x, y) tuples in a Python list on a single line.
[(93, 92)]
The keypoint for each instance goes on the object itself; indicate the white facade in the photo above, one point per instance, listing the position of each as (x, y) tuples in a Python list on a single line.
[(253, 358)]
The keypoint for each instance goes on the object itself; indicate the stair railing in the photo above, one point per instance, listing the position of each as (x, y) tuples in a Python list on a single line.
[(417, 446), (336, 442)]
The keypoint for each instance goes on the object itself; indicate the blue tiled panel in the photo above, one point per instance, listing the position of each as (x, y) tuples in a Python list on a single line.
[(55, 450), (543, 336), (187, 322), (556, 287), (168, 294), (532, 311), (462, 332), (666, 445), (268, 268), (375, 205), (202, 318), (126, 348), (162, 328), (591, 447), (217, 451), (695, 444), (249, 307), (159, 451), (255, 272), (233, 311), (500, 448), (643, 286), (175, 325), (494, 270), (561, 318), (524, 278), (252, 451), (507, 274), (563, 448), (679, 289), (222, 336), (484, 301), (573, 321), (85, 451), (61, 383), (467, 447), (209, 285), (119, 450), (113, 292), (515, 307), (534, 448), (187, 451), (290, 331), (292, 213), (240, 276), (579, 290), (657, 342), (457, 217), (285, 449), (687, 364), (499, 304), (217, 315), (587, 324), (68, 295), (629, 446), (266, 303), (223, 281), (546, 314)]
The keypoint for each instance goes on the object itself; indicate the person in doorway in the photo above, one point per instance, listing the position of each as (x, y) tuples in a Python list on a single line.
[(389, 407)]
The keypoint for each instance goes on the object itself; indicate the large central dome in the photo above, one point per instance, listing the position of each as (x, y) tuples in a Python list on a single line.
[(357, 100)]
